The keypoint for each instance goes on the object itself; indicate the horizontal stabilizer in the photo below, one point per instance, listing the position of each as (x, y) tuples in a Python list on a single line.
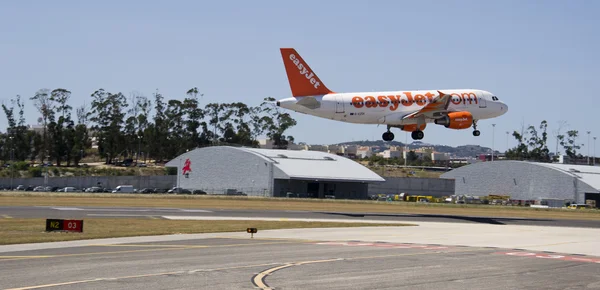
[(309, 102)]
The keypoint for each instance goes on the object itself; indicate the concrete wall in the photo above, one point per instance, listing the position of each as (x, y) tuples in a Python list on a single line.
[(341, 190), (521, 180), (139, 182), (413, 186)]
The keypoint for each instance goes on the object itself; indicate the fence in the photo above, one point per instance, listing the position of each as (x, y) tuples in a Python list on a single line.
[(413, 186), (139, 182)]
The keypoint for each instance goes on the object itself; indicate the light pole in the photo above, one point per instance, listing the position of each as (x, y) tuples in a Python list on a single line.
[(594, 163), (139, 148), (588, 155), (493, 132), (507, 140)]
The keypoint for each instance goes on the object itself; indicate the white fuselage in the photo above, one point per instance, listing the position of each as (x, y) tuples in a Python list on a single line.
[(390, 107)]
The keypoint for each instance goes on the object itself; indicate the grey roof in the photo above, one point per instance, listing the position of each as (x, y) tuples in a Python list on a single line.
[(313, 165), (586, 173), (316, 165)]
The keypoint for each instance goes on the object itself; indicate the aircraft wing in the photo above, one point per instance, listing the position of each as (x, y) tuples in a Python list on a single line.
[(439, 104)]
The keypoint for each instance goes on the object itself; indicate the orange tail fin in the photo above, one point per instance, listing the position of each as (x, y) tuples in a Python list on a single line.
[(303, 80)]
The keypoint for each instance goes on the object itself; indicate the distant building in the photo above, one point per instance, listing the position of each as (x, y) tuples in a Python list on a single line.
[(439, 157), (529, 181), (393, 152), (336, 149), (320, 148), (351, 151), (364, 152), (271, 172)]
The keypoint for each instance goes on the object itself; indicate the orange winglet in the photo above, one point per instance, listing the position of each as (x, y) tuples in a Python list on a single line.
[(303, 80)]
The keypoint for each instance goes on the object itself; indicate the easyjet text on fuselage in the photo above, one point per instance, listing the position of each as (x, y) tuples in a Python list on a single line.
[(408, 99)]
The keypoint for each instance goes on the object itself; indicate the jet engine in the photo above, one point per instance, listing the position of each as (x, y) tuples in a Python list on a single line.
[(412, 127), (456, 120)]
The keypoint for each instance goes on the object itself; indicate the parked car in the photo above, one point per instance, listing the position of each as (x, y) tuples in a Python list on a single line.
[(39, 188), (124, 189), (67, 189), (94, 189)]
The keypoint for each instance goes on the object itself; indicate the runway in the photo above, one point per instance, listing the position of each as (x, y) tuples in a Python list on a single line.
[(244, 263), (116, 212), (440, 252)]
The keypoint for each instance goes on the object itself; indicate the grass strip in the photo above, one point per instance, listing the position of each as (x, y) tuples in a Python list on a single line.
[(263, 203), (19, 231)]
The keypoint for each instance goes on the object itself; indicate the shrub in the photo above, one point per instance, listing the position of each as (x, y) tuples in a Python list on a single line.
[(171, 170), (35, 171), (20, 165)]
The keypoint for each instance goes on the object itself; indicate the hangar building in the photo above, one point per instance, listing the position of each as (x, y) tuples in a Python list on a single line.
[(269, 172), (528, 181)]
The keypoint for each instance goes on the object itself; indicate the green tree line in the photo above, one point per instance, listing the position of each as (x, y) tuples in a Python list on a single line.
[(532, 144), (137, 126)]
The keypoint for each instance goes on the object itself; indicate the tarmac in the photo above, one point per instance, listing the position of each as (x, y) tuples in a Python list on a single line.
[(430, 255), (128, 212)]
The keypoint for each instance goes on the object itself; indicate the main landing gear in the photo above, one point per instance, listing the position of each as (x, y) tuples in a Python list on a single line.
[(417, 135), (388, 136), (475, 131)]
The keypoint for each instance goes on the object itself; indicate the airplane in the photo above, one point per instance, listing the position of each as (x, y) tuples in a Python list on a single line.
[(407, 110)]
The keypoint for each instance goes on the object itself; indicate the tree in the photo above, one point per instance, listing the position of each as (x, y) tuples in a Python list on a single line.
[(157, 133), (62, 131), (41, 101), (531, 144), (194, 120), (18, 142), (569, 143), (411, 157), (107, 113), (276, 123)]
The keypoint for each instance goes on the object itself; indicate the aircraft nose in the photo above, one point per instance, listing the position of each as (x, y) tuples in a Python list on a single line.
[(503, 108)]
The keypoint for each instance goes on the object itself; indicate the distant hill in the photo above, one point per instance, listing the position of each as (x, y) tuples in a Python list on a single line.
[(460, 151)]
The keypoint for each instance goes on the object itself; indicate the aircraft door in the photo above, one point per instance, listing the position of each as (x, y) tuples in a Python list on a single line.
[(339, 104), (482, 102)]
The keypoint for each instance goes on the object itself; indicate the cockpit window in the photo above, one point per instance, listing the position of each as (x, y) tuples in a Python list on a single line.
[(494, 98)]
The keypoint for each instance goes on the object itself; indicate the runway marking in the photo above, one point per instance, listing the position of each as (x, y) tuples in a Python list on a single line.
[(141, 276), (66, 208), (195, 210), (551, 256), (6, 216), (153, 248), (16, 257), (384, 245), (259, 279), (192, 246), (116, 214)]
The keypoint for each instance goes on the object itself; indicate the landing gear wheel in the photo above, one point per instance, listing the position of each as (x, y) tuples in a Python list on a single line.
[(476, 133), (417, 135), (388, 136)]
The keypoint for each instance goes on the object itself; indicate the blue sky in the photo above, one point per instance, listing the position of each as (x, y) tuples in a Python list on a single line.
[(540, 57)]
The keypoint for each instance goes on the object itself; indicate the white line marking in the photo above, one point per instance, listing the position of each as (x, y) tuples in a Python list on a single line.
[(116, 214), (284, 219), (194, 210), (66, 208)]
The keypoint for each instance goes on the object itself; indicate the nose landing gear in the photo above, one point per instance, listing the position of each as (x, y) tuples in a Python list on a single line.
[(475, 131)]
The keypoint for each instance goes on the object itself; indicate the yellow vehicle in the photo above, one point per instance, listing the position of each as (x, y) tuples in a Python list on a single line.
[(579, 206)]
